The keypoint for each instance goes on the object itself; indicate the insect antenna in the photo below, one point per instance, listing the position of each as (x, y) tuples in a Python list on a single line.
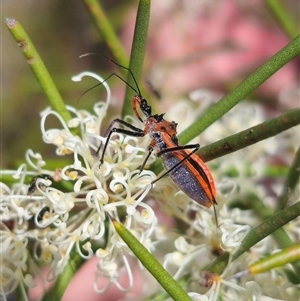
[(137, 90), (106, 79), (146, 109)]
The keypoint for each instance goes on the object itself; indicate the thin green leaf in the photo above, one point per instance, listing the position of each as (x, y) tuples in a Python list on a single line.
[(278, 259), (250, 136), (151, 264), (106, 30), (291, 180), (137, 52), (242, 90), (280, 12), (38, 68), (219, 264)]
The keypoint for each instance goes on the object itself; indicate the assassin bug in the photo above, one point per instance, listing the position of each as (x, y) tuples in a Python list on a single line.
[(181, 163)]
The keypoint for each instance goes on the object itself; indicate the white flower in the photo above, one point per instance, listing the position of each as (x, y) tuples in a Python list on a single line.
[(68, 205), (65, 208), (15, 261), (230, 290)]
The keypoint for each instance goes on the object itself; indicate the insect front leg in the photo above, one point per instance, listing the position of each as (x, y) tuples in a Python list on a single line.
[(133, 131), (150, 150)]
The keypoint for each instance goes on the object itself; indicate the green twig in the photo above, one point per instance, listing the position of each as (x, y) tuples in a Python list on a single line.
[(250, 136), (38, 68), (264, 213), (267, 227), (242, 90), (137, 52), (106, 31), (280, 236)]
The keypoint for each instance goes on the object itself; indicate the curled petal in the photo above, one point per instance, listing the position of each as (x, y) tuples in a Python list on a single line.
[(232, 235), (87, 247), (182, 245)]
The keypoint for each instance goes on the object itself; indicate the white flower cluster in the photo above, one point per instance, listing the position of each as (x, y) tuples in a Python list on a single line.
[(56, 220), (47, 213)]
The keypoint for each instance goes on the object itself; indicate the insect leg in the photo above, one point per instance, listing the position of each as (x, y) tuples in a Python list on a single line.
[(122, 122), (134, 131), (176, 148), (150, 150), (180, 147)]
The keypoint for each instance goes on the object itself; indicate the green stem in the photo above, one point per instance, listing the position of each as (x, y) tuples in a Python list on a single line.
[(137, 52), (63, 280), (242, 90), (264, 213), (250, 136), (38, 68), (106, 30), (151, 264), (279, 11)]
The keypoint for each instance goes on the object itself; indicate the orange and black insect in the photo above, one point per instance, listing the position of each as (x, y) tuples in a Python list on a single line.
[(181, 163)]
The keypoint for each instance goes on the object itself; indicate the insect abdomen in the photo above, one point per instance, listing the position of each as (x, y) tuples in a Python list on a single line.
[(187, 181)]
